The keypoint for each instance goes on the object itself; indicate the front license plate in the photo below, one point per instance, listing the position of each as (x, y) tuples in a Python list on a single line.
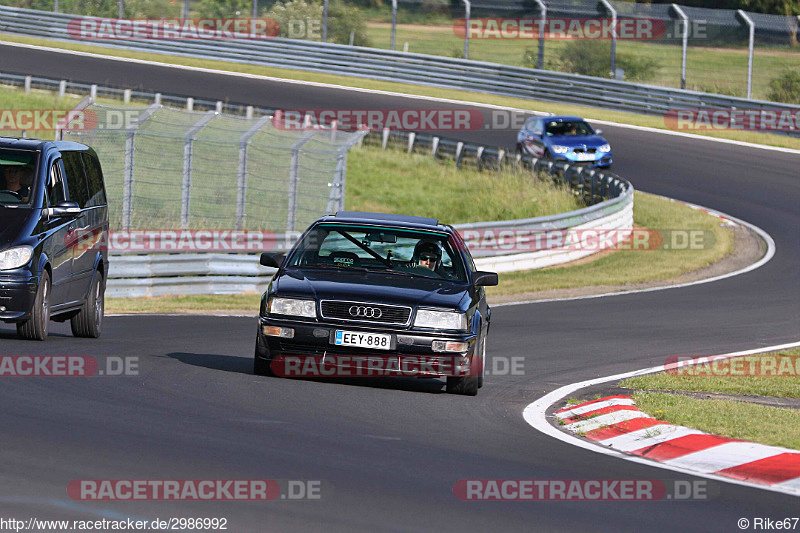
[(585, 157), (376, 341)]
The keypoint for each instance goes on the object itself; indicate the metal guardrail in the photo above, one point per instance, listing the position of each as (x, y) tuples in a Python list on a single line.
[(388, 65)]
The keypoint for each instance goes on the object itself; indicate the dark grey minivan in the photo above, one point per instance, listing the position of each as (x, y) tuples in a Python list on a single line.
[(53, 236)]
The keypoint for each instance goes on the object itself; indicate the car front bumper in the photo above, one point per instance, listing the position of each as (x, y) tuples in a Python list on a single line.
[(411, 353), (17, 295)]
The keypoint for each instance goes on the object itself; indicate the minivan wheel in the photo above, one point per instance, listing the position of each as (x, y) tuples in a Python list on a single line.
[(89, 320), (35, 328)]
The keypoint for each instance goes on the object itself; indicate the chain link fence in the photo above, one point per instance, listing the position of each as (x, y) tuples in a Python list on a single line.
[(170, 168)]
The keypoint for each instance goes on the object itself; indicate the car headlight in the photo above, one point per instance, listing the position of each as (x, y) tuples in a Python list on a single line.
[(440, 320), (15, 257), (292, 306), (605, 148), (556, 149)]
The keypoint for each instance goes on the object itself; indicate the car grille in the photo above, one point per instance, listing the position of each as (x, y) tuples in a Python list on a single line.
[(373, 313), (588, 150)]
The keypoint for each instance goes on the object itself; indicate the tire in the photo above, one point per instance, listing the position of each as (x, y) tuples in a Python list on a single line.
[(35, 328), (89, 320), (483, 363), (261, 365), (467, 386)]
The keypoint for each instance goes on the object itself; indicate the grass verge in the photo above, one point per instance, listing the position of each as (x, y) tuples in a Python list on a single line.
[(729, 418), (480, 98), (633, 266), (736, 420), (777, 386)]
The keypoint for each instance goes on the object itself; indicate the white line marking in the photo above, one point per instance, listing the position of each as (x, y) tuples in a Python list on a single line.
[(791, 485), (534, 414), (605, 420), (761, 262), (389, 93), (648, 437), (594, 407), (725, 455)]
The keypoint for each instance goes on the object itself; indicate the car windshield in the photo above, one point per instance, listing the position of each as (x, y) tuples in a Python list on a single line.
[(385, 249), (17, 169), (576, 127)]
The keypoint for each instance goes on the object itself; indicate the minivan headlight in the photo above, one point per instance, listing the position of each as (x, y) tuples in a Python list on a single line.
[(15, 257), (427, 318), (292, 307)]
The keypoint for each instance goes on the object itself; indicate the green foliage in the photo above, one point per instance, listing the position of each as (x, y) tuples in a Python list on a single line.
[(593, 58), (224, 8), (786, 87), (105, 8), (342, 20)]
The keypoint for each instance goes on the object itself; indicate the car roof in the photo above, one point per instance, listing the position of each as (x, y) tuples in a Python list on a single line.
[(39, 144), (387, 219), (562, 118)]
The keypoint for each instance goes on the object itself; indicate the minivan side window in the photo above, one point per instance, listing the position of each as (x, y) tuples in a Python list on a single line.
[(55, 185), (94, 175), (76, 178)]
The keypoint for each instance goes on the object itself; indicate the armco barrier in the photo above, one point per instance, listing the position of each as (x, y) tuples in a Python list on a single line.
[(451, 73)]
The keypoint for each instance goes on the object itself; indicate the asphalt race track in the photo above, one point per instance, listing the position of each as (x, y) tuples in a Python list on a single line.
[(389, 452)]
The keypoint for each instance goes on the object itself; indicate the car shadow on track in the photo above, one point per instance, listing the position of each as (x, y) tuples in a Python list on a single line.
[(244, 365)]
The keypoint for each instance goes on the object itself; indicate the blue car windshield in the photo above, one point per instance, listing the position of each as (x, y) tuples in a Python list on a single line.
[(17, 170), (568, 128), (391, 250)]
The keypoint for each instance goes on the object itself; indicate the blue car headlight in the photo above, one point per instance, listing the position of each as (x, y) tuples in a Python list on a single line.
[(605, 148), (557, 149)]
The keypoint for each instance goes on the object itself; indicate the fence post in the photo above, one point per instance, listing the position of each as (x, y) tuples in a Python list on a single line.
[(255, 9), (121, 4), (127, 182), (613, 12), (752, 27), (294, 179), (466, 27), (394, 22), (325, 21), (543, 9), (186, 187), (684, 42), (241, 187)]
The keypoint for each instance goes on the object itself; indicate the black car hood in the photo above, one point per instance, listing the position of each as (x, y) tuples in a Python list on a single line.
[(372, 287), (14, 222)]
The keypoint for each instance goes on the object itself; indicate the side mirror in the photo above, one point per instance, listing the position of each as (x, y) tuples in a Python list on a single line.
[(598, 132), (65, 209), (272, 259), (485, 279)]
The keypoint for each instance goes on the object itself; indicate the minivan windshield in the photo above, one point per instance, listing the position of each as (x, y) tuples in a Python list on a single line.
[(385, 249), (17, 171)]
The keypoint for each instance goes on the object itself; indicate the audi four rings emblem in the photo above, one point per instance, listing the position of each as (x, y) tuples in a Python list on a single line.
[(364, 312)]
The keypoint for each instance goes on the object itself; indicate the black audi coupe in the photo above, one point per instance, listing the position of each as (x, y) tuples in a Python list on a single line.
[(373, 294)]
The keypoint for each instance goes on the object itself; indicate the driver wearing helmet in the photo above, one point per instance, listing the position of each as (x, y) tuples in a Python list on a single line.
[(428, 254)]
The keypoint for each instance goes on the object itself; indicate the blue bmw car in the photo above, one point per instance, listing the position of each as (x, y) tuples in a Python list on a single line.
[(566, 139)]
